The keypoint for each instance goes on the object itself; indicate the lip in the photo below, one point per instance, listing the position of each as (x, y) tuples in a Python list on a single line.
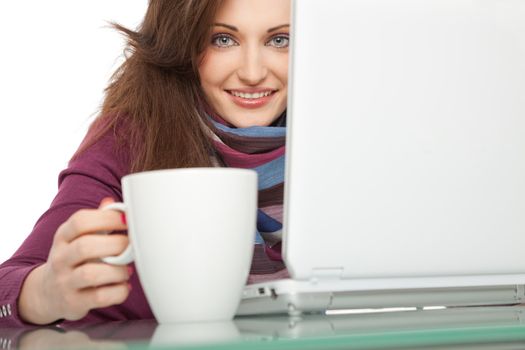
[(252, 103), (252, 90)]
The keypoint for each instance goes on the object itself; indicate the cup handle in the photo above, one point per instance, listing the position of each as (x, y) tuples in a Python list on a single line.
[(127, 255)]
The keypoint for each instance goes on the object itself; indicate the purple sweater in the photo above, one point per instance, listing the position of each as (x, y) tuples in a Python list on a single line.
[(89, 178)]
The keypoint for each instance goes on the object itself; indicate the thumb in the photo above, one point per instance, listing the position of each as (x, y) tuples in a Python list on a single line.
[(106, 201)]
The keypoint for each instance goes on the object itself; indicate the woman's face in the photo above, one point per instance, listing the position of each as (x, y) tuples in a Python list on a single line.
[(244, 69)]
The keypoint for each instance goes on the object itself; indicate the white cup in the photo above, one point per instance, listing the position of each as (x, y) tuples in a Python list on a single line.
[(191, 236)]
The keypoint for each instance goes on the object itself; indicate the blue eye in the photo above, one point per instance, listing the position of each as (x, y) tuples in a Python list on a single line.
[(280, 41), (222, 40)]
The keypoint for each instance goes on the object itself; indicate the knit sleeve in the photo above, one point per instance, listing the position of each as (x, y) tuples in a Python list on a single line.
[(90, 177)]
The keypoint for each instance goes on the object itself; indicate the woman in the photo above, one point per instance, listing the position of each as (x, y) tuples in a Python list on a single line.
[(204, 84)]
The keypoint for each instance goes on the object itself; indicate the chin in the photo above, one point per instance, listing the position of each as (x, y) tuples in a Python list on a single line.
[(248, 122), (241, 118), (260, 119)]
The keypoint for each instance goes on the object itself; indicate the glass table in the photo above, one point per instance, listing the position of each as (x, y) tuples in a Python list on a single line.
[(494, 327)]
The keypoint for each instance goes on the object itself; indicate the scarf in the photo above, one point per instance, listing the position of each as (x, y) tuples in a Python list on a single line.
[(261, 149)]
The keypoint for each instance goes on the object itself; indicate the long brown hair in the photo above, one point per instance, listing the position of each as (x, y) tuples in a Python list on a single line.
[(154, 95)]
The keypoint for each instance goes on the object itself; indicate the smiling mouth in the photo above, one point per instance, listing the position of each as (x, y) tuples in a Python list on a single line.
[(251, 96), (253, 99)]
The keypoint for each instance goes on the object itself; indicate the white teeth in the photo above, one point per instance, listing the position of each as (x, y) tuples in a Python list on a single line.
[(251, 96)]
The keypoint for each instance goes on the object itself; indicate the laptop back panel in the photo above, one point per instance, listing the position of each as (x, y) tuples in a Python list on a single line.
[(406, 139)]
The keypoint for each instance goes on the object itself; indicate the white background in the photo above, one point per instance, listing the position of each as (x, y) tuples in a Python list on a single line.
[(56, 57)]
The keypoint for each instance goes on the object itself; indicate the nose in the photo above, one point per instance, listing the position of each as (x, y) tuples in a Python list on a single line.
[(252, 69)]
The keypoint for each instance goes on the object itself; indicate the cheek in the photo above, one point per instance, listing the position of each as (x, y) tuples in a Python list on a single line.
[(283, 78), (213, 70), (280, 68)]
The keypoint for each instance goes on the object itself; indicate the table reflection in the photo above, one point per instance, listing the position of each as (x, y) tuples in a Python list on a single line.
[(195, 333), (453, 328)]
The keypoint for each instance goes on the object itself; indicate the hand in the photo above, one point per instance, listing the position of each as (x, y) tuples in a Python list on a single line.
[(73, 280)]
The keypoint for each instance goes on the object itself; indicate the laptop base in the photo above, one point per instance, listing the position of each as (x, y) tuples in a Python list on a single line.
[(295, 298)]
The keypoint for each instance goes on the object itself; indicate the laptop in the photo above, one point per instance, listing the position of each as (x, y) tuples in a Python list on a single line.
[(405, 166)]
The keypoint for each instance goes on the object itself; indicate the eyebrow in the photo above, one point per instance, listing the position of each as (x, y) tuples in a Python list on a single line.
[(232, 28), (278, 27)]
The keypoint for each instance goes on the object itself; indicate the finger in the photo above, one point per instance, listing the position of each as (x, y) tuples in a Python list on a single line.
[(90, 221), (106, 295), (94, 246), (106, 201), (98, 274)]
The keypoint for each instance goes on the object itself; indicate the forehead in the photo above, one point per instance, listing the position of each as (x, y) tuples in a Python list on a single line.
[(254, 14)]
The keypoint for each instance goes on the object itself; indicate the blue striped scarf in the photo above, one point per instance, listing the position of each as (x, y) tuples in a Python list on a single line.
[(261, 149)]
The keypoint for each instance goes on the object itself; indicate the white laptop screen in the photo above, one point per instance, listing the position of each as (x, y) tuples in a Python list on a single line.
[(406, 147)]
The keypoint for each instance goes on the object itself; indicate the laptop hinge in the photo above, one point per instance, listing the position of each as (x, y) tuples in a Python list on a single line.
[(333, 273)]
